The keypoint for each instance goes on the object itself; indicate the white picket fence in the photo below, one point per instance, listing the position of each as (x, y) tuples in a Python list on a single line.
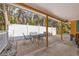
[(19, 29)]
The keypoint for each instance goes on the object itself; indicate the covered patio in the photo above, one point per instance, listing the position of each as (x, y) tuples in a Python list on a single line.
[(37, 32)]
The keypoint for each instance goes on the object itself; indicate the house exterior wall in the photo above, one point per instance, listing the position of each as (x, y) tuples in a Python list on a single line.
[(73, 27)]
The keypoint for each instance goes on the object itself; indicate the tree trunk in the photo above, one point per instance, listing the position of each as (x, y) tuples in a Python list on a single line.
[(5, 17)]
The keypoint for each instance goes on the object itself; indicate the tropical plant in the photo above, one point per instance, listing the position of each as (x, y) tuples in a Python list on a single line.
[(2, 25)]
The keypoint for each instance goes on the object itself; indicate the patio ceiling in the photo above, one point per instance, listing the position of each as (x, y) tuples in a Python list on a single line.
[(66, 11), (40, 10)]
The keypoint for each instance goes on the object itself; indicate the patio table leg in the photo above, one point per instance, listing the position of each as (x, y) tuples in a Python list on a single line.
[(37, 43)]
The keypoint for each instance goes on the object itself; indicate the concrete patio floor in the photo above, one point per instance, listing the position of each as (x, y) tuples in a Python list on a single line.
[(57, 47)]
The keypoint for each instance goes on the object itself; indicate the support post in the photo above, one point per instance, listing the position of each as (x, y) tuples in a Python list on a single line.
[(61, 31), (46, 22)]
